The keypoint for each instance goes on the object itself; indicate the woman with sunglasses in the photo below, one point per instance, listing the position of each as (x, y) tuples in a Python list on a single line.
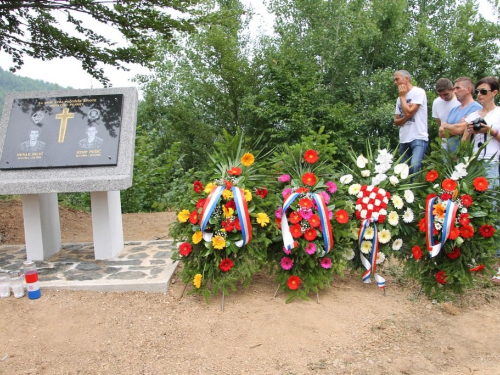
[(486, 90)]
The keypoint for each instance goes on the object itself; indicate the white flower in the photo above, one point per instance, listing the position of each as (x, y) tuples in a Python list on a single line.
[(361, 161), (382, 168), (408, 215), (383, 211), (347, 179), (365, 200), (403, 170), (438, 226), (393, 180), (366, 247), (436, 186), (354, 189), (393, 218), (379, 178), (384, 157), (350, 254), (375, 215), (358, 207), (369, 233), (455, 176), (397, 201), (463, 210), (377, 202), (461, 168), (409, 197), (363, 214), (370, 207), (385, 200), (369, 188), (365, 173), (381, 191), (396, 245), (380, 257), (384, 236)]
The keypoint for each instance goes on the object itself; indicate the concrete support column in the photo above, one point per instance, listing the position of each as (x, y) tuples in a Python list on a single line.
[(42, 230), (107, 223)]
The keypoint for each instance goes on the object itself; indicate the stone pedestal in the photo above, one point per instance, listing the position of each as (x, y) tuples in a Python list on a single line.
[(42, 229), (107, 223)]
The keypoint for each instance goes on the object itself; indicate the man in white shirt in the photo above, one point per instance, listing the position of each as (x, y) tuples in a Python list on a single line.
[(411, 119), (443, 104)]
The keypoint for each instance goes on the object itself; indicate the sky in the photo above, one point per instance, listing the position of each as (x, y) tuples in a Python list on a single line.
[(68, 71)]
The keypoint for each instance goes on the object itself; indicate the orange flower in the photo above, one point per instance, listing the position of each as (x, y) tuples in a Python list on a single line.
[(449, 184), (480, 183), (309, 179), (310, 234), (439, 210), (234, 171), (295, 217), (305, 203), (431, 176), (248, 159), (314, 221), (311, 156), (478, 268)]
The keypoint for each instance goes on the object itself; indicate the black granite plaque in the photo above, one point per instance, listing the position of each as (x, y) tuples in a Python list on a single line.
[(71, 131)]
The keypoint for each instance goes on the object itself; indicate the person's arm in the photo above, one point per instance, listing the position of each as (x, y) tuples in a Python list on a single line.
[(400, 121), (453, 129), (408, 109)]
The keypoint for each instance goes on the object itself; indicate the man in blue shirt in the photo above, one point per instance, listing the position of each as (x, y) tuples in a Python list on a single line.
[(455, 124)]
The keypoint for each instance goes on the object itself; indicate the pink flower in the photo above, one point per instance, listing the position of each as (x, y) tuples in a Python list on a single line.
[(284, 178), (286, 192), (332, 187), (326, 263), (279, 213), (330, 214), (286, 263), (286, 251), (325, 196), (306, 214), (310, 248)]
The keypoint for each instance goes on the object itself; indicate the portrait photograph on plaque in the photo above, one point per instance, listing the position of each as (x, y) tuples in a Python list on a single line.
[(55, 132)]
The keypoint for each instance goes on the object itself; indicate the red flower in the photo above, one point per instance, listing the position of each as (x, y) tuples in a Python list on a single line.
[(201, 202), (454, 254), (185, 249), (302, 190), (466, 200), (261, 192), (296, 231), (237, 224), (293, 282), (295, 217), (381, 219), (234, 171), (430, 196), (466, 231), (449, 184), (228, 184), (193, 218), (478, 268), (441, 277), (226, 264), (305, 203), (480, 183), (314, 221), (198, 187), (454, 233), (310, 234), (311, 156), (342, 216), (431, 176), (445, 196), (422, 225), (228, 225), (417, 252), (309, 179), (486, 230), (464, 219)]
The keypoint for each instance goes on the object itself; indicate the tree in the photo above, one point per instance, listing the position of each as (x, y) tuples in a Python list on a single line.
[(32, 28)]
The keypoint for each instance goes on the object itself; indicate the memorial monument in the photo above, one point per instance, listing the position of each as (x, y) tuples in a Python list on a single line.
[(68, 141)]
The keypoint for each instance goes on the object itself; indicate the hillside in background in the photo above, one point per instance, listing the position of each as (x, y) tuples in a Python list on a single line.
[(10, 82)]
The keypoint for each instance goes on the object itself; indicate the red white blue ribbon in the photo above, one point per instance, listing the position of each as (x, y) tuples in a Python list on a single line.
[(449, 219), (243, 216), (241, 209), (326, 226), (372, 263)]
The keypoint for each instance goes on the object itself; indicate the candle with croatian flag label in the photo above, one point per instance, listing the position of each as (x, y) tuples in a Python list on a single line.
[(31, 278)]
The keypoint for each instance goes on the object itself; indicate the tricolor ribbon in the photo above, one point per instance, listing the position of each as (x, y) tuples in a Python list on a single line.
[(372, 263), (241, 209), (449, 219), (326, 226)]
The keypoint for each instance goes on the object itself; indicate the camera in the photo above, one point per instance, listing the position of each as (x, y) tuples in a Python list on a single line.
[(477, 123)]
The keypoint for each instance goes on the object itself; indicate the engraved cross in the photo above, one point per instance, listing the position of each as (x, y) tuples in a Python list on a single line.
[(64, 116)]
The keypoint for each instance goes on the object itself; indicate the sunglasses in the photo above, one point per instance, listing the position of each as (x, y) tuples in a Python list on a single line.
[(482, 91)]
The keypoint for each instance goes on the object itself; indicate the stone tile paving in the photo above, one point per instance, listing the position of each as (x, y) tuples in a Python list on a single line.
[(142, 265)]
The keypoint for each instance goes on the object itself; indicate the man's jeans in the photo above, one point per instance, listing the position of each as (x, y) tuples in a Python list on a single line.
[(415, 151)]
